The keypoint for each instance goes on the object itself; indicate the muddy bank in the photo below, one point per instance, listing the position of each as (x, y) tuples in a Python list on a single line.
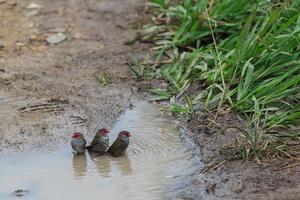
[(226, 176), (81, 83)]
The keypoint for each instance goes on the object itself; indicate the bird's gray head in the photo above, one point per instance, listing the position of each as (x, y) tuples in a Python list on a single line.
[(77, 135), (103, 131), (125, 133)]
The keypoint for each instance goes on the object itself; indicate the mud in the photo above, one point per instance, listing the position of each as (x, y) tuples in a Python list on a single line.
[(157, 165), (225, 176)]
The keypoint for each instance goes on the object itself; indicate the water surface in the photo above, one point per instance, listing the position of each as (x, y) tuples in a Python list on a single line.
[(157, 165)]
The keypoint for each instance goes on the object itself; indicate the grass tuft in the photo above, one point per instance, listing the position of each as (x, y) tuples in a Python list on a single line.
[(246, 53)]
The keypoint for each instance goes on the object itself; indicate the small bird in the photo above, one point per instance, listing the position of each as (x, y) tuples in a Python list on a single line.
[(120, 144), (100, 142), (78, 143)]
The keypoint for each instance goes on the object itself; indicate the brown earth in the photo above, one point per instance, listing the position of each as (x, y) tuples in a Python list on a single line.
[(48, 91), (227, 177)]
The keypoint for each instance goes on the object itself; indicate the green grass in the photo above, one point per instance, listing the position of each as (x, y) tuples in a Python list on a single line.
[(247, 55), (140, 70), (104, 80)]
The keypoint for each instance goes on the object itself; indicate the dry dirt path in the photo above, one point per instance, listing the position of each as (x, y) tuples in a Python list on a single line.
[(49, 90)]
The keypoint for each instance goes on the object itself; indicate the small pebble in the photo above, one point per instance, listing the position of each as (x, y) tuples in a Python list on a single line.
[(33, 6), (20, 44), (56, 38), (20, 192)]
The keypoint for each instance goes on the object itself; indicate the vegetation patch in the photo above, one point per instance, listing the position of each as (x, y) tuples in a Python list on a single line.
[(244, 55)]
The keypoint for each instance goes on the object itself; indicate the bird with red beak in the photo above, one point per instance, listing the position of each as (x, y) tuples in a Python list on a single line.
[(78, 143), (100, 142), (120, 144)]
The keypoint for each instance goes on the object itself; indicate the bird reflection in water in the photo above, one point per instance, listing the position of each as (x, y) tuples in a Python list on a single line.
[(123, 163), (103, 163), (79, 165)]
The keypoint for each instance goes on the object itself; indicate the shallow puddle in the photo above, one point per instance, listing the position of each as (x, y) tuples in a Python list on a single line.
[(157, 165)]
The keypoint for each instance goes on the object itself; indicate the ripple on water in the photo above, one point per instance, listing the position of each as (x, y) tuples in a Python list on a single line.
[(157, 165)]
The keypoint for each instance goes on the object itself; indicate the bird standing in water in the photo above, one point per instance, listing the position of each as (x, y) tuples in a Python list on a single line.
[(100, 142), (78, 143), (120, 144)]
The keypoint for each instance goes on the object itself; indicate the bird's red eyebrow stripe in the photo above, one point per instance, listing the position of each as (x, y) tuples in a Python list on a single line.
[(75, 135)]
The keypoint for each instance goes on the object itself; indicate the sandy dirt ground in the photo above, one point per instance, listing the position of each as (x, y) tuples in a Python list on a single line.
[(47, 91)]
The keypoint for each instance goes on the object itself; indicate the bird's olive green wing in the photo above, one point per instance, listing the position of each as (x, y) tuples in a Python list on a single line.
[(95, 140), (117, 148), (119, 151), (114, 146)]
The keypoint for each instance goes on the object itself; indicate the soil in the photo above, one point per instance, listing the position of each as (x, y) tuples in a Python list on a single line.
[(48, 91), (229, 177)]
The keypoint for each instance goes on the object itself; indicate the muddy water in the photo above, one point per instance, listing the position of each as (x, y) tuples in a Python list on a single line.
[(157, 165)]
